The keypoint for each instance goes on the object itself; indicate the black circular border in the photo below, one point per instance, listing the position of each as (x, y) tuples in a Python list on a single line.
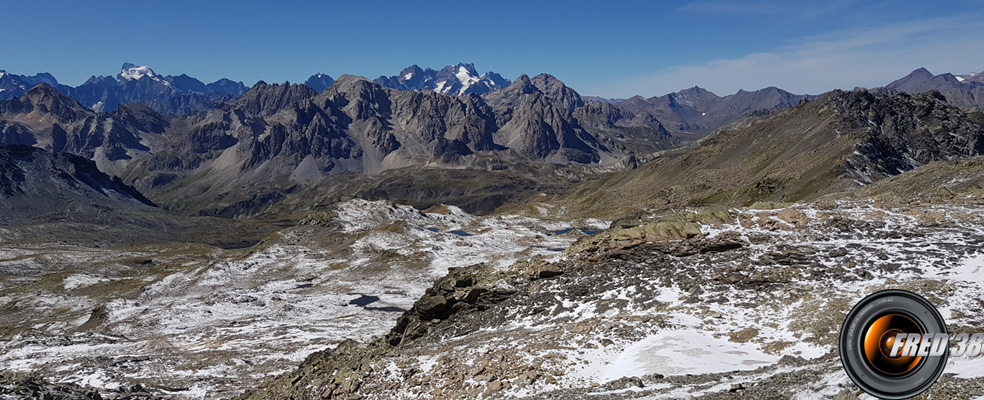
[(850, 353)]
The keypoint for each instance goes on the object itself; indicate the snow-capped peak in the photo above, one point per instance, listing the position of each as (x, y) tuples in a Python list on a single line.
[(466, 78), (452, 80), (2, 73), (132, 72), (464, 75)]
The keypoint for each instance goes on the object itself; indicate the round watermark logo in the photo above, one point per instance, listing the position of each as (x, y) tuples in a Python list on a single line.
[(894, 344)]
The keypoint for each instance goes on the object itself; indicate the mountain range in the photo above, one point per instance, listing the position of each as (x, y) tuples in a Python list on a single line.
[(277, 136), (180, 94), (215, 151), (457, 79), (183, 94)]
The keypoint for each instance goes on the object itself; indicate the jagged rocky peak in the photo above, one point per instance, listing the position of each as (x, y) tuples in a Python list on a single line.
[(511, 94), (411, 75), (557, 90), (545, 84), (523, 84), (319, 82), (267, 99), (357, 97)]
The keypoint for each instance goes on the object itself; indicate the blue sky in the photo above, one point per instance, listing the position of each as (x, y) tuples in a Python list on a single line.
[(609, 48)]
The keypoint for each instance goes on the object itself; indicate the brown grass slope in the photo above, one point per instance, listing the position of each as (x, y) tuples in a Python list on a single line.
[(836, 144), (936, 182)]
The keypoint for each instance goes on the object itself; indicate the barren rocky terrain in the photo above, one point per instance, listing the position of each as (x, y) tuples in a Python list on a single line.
[(194, 321), (704, 303)]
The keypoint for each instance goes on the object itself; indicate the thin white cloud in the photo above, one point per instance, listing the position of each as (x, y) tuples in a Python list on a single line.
[(771, 8), (786, 9), (841, 60)]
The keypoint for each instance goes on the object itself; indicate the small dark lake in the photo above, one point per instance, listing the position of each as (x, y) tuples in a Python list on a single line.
[(454, 232), (364, 301), (568, 230)]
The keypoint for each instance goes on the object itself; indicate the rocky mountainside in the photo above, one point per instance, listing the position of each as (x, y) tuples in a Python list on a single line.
[(839, 142), (39, 186), (965, 91), (47, 119), (455, 80), (359, 126), (53, 199)]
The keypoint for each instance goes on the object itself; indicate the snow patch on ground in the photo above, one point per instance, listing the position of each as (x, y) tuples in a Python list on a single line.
[(687, 351), (965, 367), (82, 280)]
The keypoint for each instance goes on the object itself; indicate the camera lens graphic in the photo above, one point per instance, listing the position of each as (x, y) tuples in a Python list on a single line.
[(880, 338), (868, 337)]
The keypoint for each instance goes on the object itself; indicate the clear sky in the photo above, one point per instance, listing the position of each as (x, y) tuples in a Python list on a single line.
[(611, 48)]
